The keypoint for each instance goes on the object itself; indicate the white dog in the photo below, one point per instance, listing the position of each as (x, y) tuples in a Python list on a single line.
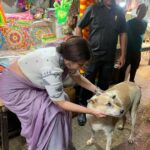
[(115, 103)]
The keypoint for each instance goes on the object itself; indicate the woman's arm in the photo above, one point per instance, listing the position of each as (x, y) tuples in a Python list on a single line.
[(69, 106), (85, 83)]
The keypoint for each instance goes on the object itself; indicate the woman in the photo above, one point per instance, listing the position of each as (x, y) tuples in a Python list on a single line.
[(32, 88)]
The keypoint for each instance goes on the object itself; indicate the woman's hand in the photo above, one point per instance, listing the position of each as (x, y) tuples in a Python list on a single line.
[(98, 114)]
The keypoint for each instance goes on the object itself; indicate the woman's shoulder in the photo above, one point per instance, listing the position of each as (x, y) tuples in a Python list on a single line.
[(45, 56), (48, 51), (42, 53), (49, 56)]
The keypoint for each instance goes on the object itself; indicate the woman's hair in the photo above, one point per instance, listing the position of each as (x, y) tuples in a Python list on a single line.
[(75, 49)]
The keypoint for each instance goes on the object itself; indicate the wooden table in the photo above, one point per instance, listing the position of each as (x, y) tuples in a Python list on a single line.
[(4, 126)]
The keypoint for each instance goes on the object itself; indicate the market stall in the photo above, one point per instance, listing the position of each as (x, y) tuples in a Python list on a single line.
[(34, 25)]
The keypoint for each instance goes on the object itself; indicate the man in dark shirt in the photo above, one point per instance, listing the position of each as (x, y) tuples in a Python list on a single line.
[(136, 28), (106, 21)]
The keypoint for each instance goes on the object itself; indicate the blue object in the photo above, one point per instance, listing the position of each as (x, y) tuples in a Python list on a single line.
[(2, 40), (4, 62)]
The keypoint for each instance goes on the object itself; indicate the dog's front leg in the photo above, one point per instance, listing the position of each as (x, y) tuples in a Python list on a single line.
[(109, 139), (92, 139)]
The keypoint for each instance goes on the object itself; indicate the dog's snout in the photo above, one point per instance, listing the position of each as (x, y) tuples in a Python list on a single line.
[(121, 111)]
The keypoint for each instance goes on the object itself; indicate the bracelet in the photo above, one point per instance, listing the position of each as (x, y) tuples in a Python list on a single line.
[(98, 91)]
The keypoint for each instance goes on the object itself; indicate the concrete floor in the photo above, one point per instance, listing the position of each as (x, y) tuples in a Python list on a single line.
[(142, 133)]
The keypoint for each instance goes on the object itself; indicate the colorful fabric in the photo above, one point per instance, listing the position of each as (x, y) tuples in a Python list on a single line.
[(41, 34), (22, 33), (17, 38), (20, 16), (44, 125)]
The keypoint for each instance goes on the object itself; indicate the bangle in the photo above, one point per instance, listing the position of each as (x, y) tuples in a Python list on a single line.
[(98, 91)]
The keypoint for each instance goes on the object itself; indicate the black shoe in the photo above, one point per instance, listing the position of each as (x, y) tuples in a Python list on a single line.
[(81, 119)]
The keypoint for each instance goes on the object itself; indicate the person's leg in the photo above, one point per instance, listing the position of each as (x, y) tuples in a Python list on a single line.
[(84, 94), (104, 75), (135, 64), (122, 71)]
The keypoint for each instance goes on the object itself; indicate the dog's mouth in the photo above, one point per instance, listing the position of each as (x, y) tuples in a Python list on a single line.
[(117, 114)]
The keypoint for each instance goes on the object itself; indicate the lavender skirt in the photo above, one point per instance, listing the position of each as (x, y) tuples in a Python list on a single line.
[(44, 125)]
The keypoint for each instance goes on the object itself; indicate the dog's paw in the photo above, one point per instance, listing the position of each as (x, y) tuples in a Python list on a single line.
[(120, 127), (130, 140), (90, 141)]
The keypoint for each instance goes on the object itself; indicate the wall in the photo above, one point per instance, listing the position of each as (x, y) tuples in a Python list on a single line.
[(10, 6)]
